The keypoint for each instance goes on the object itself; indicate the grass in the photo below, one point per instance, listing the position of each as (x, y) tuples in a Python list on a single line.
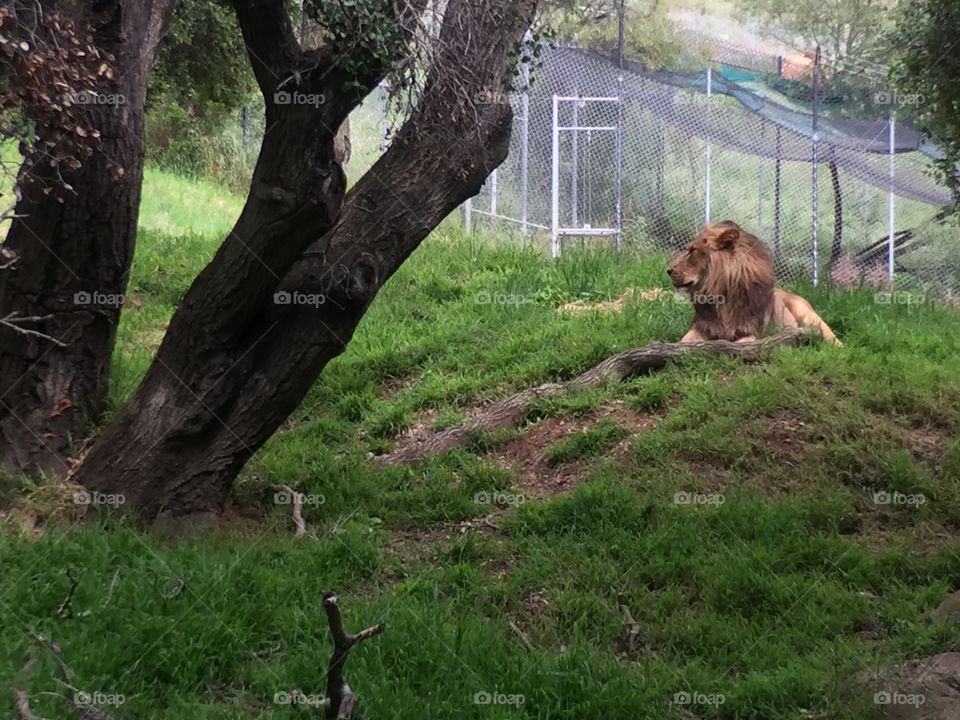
[(746, 531)]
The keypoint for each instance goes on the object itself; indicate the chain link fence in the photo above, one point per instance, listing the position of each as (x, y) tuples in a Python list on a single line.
[(852, 201)]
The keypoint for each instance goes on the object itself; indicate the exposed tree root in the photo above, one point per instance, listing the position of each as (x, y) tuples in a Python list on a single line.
[(508, 412)]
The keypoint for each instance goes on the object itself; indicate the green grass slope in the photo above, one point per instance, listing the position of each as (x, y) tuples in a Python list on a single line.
[(772, 528)]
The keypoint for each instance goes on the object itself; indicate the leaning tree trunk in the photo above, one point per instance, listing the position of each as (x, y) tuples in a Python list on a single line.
[(71, 251), (235, 362)]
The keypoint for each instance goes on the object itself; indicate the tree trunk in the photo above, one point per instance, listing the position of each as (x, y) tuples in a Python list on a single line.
[(72, 253), (245, 345)]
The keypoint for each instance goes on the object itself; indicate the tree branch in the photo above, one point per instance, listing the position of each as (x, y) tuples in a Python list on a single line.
[(655, 356), (340, 699)]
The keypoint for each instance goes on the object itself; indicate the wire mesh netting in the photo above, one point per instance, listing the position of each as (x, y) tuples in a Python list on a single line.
[(830, 201)]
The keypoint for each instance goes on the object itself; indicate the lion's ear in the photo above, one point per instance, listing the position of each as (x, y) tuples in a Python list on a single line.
[(726, 239)]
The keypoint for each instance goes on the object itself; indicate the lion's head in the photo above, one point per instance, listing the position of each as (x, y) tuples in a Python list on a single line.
[(728, 275)]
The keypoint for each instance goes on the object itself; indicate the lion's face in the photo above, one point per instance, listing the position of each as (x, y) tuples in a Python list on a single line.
[(728, 274), (690, 268), (722, 252)]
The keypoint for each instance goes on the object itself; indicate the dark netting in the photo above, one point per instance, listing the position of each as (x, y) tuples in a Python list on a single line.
[(761, 172)]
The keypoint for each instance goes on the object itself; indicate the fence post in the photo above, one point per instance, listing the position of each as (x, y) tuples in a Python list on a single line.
[(816, 189), (618, 205), (574, 162), (706, 193), (890, 205), (468, 215), (776, 197), (493, 193), (555, 181), (524, 134)]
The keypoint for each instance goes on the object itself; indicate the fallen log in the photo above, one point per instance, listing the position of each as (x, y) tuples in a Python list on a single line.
[(509, 411)]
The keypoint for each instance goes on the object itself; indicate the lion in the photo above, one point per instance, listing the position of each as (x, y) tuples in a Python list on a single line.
[(728, 275)]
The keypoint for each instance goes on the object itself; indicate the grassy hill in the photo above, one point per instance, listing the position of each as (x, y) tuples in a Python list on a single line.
[(771, 528)]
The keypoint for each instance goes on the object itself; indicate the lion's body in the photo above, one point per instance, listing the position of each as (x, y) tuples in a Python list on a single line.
[(729, 276)]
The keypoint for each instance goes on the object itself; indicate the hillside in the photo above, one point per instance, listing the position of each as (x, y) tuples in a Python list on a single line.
[(772, 529)]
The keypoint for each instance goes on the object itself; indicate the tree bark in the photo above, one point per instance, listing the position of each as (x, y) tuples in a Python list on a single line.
[(72, 252), (235, 362)]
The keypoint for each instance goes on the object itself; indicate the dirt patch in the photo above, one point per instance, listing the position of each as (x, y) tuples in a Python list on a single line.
[(527, 454), (391, 387), (787, 435), (926, 444)]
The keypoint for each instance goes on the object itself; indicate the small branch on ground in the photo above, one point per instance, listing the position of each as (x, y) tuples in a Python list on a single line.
[(296, 500), (23, 704), (340, 699), (633, 630), (13, 321), (508, 412), (65, 610)]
